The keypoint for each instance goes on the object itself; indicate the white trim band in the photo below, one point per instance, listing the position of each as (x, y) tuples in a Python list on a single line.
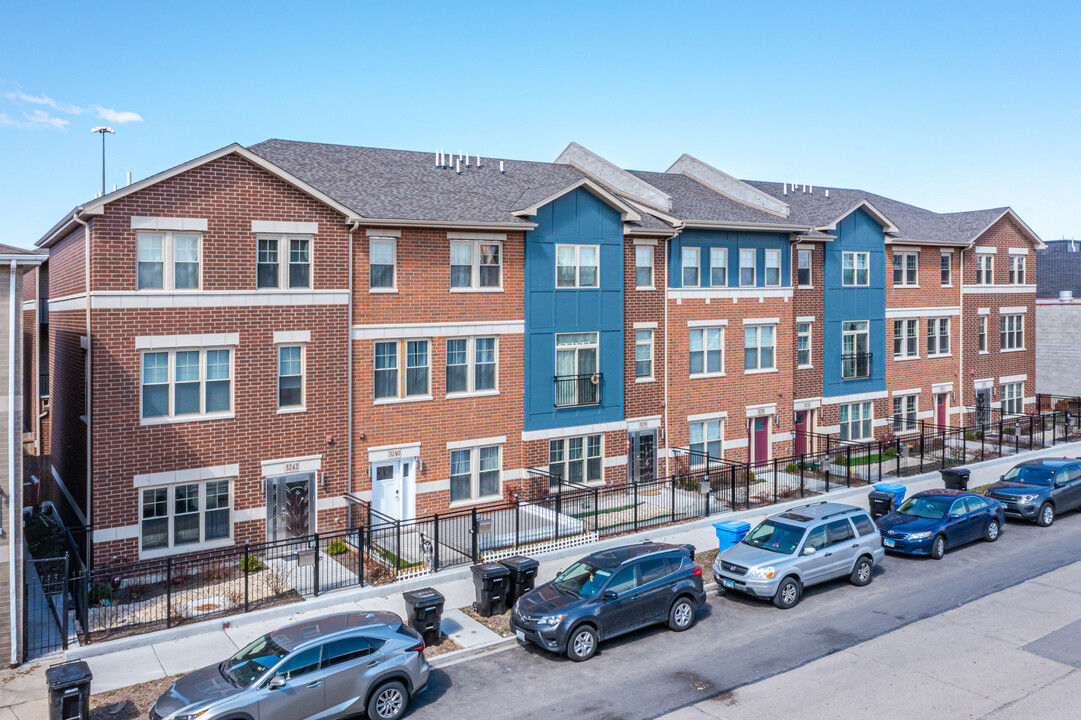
[(645, 326), (462, 444), (498, 237), (855, 397), (917, 312), (761, 321), (292, 336), (706, 323), (307, 463), (708, 416), (563, 432), (285, 228), (421, 330), (1012, 310), (213, 472), (1012, 379), (160, 342), (139, 222), (149, 299)]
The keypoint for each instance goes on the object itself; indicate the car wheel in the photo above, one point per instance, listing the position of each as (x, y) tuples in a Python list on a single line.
[(388, 702), (863, 573), (992, 531), (583, 644), (788, 594), (938, 547), (681, 616), (1046, 515)]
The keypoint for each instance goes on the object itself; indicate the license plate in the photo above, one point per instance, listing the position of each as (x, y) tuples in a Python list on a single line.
[(728, 583), (889, 543), (520, 634)]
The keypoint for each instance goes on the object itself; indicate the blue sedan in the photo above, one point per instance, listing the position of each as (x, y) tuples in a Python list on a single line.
[(931, 521)]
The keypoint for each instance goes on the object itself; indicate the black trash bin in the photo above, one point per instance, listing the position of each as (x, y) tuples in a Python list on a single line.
[(523, 574), (880, 503), (69, 691), (491, 581), (956, 478), (424, 613)]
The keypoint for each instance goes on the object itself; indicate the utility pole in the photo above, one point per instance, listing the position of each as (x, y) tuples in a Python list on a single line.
[(101, 130)]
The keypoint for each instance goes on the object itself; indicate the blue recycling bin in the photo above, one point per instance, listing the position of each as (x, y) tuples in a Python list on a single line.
[(730, 533), (898, 492)]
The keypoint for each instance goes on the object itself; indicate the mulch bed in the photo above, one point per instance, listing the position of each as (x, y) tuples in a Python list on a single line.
[(499, 624), (446, 646), (705, 560), (129, 703)]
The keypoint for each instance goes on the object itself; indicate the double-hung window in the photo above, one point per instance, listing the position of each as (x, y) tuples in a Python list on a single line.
[(747, 262), (180, 384), (982, 332), (857, 421), (476, 265), (1011, 332), (390, 382), (855, 343), (643, 266), (577, 266), (690, 260), (803, 345), (855, 269), (718, 267), (704, 441), (758, 346), (290, 377), (1013, 398), (1017, 269), (773, 268), (576, 460), (905, 269), (905, 338), (475, 473), (706, 351), (985, 268), (947, 269), (471, 365), (643, 354), (904, 413), (168, 260), (803, 268), (178, 516), (938, 336), (576, 368), (283, 262), (382, 263)]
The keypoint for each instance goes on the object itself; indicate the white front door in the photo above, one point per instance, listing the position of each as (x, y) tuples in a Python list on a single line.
[(393, 489)]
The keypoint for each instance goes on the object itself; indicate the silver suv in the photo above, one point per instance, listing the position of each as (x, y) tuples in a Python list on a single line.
[(329, 667), (799, 547)]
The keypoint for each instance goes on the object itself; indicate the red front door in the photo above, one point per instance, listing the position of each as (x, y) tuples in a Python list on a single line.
[(801, 433), (940, 411), (761, 442)]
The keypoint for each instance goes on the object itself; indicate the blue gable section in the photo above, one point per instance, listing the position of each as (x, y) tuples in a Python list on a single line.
[(579, 218), (732, 241), (861, 233)]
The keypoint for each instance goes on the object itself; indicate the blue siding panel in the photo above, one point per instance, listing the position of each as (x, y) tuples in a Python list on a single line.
[(732, 241)]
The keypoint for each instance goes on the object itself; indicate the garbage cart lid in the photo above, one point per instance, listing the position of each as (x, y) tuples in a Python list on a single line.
[(490, 569), (888, 488), (733, 526), (520, 563), (960, 472), (68, 674), (423, 596)]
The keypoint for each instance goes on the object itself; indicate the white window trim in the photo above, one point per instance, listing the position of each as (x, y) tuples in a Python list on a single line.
[(758, 369), (753, 266), (470, 365), (766, 266), (168, 260), (1023, 270), (188, 547), (474, 277), (982, 329), (724, 254), (949, 257), (303, 406), (903, 398), (474, 474), (577, 266), (810, 268), (683, 265), (283, 241), (855, 268), (860, 404), (704, 329), (638, 244), (1021, 319), (704, 420), (938, 335), (652, 359), (904, 338), (171, 418), (401, 345), (982, 254), (394, 275), (904, 268), (585, 454), (810, 343)]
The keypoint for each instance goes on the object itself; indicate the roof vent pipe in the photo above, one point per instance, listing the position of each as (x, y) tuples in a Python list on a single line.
[(1065, 296), (812, 189), (478, 161), (459, 167), (129, 177), (785, 186), (500, 167), (827, 192)]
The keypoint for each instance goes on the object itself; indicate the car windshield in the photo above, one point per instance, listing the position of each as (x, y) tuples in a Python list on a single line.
[(582, 579), (775, 537), (930, 508), (1031, 474), (252, 662)]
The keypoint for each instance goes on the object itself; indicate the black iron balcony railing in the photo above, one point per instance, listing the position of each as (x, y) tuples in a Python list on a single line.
[(855, 366), (575, 390)]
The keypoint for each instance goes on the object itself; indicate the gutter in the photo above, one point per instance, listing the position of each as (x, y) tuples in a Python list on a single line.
[(13, 596), (89, 383), (349, 355)]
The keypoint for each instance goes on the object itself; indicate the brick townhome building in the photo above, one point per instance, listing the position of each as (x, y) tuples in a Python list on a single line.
[(274, 328)]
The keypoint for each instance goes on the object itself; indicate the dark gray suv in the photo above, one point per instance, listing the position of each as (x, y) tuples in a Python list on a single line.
[(330, 667), (609, 593), (1037, 490)]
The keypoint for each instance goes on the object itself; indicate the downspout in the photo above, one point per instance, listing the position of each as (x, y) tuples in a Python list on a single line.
[(89, 385), (349, 363), (12, 585), (961, 351), (664, 295)]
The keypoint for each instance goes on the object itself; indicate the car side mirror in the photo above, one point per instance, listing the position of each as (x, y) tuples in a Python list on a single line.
[(610, 595), (809, 551), (276, 682), (954, 516), (1001, 477)]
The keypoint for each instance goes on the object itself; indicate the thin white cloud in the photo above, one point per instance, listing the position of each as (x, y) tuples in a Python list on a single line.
[(36, 120), (116, 116), (44, 100)]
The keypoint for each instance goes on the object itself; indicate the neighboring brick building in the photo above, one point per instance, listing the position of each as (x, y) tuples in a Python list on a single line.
[(1058, 314), (296, 325)]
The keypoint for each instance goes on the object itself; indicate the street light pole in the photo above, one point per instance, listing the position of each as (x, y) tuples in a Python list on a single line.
[(101, 131)]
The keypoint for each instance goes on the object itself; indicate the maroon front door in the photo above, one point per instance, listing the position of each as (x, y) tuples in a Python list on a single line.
[(761, 442), (801, 433), (940, 411)]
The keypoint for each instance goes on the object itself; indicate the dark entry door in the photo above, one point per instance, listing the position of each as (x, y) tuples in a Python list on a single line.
[(761, 440), (643, 455), (801, 433), (983, 406), (290, 506)]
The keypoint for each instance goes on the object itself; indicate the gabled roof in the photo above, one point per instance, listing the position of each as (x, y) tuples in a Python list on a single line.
[(535, 198)]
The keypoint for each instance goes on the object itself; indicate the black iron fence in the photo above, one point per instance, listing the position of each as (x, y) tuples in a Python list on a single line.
[(377, 549)]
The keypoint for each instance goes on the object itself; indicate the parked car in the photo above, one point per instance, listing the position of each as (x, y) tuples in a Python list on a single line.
[(334, 666), (1037, 490), (931, 521), (806, 545), (610, 593)]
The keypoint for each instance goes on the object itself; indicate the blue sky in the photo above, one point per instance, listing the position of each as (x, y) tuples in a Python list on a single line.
[(947, 105)]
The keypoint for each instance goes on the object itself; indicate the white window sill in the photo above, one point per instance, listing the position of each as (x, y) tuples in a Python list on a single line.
[(277, 289), (855, 286), (477, 501), (984, 352), (902, 358), (170, 291), (644, 287), (906, 287), (948, 286), (940, 355), (292, 410), (476, 290), (397, 401), (699, 376), (805, 367), (1005, 350), (186, 419), (382, 291), (805, 287), (186, 548), (645, 380), (760, 371), (479, 393)]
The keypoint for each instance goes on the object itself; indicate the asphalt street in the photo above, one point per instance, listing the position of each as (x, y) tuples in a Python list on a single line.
[(738, 640)]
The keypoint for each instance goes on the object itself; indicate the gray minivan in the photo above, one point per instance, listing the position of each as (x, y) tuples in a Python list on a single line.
[(800, 547)]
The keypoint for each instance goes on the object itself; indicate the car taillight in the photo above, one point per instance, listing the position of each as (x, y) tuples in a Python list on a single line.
[(419, 647), (697, 570)]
